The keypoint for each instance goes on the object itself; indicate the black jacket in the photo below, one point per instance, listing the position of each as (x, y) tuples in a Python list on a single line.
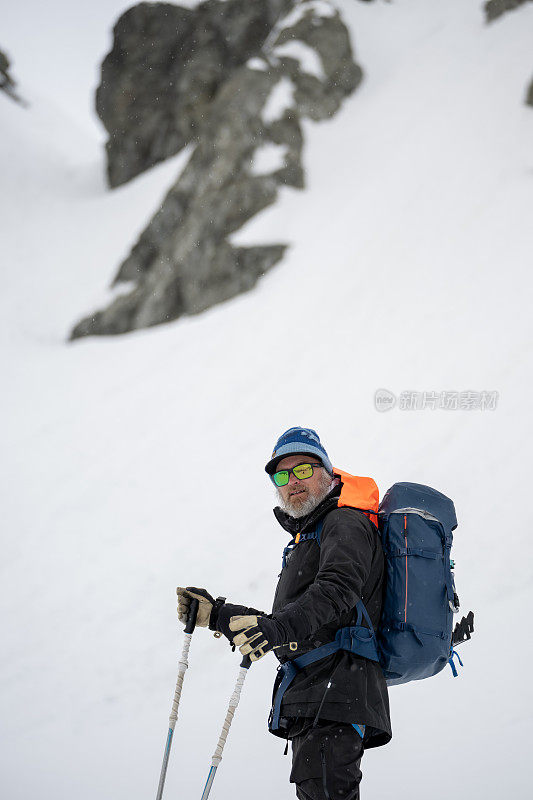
[(316, 594)]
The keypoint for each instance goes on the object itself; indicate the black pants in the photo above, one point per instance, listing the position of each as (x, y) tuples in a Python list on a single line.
[(326, 761)]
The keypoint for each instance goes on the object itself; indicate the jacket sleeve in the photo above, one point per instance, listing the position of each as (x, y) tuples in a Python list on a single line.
[(346, 552)]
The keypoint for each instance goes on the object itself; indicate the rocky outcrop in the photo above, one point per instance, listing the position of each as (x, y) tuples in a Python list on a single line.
[(7, 84), (249, 143), (495, 8), (165, 68), (529, 95)]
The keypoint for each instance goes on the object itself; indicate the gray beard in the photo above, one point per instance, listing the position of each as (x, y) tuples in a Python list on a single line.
[(308, 505)]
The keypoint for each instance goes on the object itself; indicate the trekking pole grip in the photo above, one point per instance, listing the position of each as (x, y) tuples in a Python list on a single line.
[(184, 660), (191, 616), (233, 703), (182, 666)]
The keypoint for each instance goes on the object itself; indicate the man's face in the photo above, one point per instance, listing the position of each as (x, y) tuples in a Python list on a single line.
[(300, 497)]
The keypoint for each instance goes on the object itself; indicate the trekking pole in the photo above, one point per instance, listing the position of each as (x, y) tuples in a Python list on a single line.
[(233, 703), (182, 666)]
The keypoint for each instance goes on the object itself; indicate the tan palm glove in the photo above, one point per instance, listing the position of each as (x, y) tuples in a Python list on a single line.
[(205, 606), (256, 636)]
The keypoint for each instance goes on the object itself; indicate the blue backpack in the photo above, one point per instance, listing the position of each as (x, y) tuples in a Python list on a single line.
[(415, 633), (414, 637)]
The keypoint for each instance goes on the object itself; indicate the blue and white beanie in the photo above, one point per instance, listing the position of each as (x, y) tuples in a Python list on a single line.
[(298, 440)]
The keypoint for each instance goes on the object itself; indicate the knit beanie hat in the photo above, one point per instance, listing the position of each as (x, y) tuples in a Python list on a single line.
[(298, 440)]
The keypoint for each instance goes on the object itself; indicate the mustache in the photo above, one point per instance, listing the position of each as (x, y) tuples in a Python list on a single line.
[(308, 503)]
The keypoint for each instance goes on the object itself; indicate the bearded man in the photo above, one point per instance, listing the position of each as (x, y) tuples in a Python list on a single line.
[(329, 701)]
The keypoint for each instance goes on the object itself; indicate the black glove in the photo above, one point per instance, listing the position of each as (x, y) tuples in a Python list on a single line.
[(255, 636)]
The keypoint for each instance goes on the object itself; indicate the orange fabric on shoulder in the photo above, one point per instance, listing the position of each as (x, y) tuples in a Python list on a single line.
[(360, 493)]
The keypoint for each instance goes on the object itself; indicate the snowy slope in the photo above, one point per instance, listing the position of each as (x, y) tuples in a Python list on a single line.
[(132, 465)]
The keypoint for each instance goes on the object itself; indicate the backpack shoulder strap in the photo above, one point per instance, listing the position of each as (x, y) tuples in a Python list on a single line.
[(303, 537), (316, 534)]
